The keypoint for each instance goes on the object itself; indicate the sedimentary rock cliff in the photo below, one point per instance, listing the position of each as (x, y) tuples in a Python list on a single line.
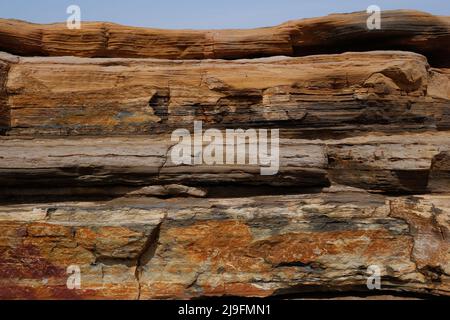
[(88, 177)]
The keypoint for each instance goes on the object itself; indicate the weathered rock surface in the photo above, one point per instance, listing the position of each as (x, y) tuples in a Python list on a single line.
[(409, 163), (405, 30), (256, 246), (377, 91), (87, 177)]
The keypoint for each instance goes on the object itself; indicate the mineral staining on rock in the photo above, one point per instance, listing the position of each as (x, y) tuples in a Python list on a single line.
[(88, 180), (375, 91), (255, 246)]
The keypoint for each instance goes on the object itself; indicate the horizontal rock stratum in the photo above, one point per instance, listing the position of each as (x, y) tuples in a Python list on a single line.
[(255, 246), (412, 163), (382, 91), (88, 179), (402, 29)]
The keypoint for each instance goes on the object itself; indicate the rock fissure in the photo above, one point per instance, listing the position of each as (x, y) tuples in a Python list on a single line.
[(147, 253)]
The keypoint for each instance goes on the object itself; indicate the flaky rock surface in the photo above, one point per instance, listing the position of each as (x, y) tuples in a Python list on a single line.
[(254, 246), (87, 177), (376, 91)]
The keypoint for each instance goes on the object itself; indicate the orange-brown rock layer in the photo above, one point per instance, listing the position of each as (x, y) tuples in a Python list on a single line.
[(254, 246), (400, 30), (386, 91)]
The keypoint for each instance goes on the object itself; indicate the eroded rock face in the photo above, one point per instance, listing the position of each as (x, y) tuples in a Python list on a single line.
[(119, 166), (402, 30), (255, 246), (381, 91), (88, 180)]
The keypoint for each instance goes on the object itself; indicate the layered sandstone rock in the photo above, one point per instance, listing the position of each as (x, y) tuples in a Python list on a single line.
[(405, 30), (255, 246), (378, 91), (88, 178), (404, 163)]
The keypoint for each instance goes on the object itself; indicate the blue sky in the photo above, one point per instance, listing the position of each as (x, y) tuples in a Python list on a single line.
[(201, 14)]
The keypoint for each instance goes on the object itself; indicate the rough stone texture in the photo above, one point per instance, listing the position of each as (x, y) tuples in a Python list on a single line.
[(254, 246), (87, 178), (406, 30), (381, 91), (407, 163), (5, 121)]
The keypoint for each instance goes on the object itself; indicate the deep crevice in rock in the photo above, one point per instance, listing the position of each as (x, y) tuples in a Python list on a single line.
[(147, 254)]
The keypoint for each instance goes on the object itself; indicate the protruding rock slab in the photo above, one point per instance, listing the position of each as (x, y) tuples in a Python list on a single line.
[(379, 91), (117, 166), (406, 30)]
